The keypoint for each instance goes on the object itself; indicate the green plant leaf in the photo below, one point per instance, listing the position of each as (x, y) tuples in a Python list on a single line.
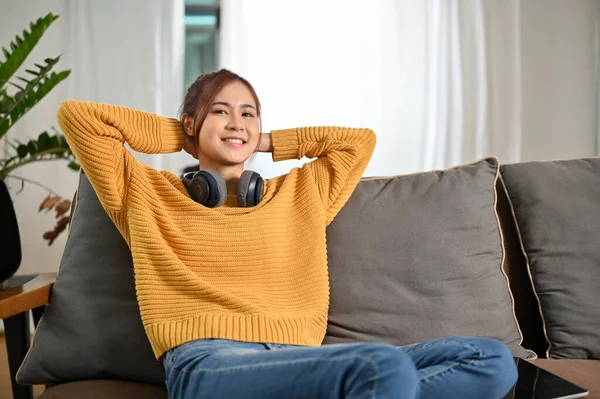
[(17, 86), (23, 80), (43, 141), (18, 97), (22, 151), (32, 147), (6, 104), (45, 147), (55, 142), (30, 90), (51, 61), (25, 99), (21, 49)]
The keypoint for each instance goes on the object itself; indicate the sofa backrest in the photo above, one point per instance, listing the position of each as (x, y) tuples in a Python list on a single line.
[(419, 257), (557, 212), (527, 310), (411, 257)]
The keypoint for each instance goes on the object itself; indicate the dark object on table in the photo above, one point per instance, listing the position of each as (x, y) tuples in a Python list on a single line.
[(10, 241), (538, 383)]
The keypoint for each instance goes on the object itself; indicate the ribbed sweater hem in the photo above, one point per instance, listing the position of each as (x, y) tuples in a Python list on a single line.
[(246, 328)]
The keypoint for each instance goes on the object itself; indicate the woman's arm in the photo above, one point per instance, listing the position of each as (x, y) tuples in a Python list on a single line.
[(96, 134), (342, 156)]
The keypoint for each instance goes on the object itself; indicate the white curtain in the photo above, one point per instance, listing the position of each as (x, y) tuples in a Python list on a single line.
[(473, 100), (438, 80), (333, 62), (133, 57), (442, 82), (123, 52)]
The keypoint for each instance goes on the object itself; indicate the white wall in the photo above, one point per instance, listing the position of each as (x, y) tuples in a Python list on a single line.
[(37, 256), (558, 76), (131, 56)]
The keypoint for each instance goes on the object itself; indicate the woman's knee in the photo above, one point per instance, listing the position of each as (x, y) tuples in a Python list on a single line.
[(392, 369), (500, 366)]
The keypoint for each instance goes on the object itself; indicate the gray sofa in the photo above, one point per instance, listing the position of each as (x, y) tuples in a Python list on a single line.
[(510, 252)]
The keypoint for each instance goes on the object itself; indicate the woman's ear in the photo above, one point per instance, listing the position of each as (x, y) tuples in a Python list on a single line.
[(188, 125)]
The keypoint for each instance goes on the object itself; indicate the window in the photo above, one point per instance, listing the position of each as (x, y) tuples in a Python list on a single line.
[(201, 34)]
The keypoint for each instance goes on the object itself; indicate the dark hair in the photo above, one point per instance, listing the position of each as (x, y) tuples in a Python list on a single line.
[(201, 94)]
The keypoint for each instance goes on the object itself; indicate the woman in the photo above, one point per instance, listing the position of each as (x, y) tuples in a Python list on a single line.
[(234, 299)]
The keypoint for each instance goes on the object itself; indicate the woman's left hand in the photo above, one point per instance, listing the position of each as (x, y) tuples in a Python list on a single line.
[(265, 143)]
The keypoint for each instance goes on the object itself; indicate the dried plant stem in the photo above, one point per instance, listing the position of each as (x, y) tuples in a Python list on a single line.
[(24, 179)]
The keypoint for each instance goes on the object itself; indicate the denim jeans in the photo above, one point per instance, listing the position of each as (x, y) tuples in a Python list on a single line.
[(447, 368)]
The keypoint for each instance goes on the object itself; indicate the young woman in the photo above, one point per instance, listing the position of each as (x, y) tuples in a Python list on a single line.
[(232, 284)]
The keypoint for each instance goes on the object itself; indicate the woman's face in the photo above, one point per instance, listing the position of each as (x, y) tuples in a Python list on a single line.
[(230, 132)]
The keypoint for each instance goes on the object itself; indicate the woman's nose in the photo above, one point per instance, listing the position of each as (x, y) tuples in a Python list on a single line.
[(235, 123)]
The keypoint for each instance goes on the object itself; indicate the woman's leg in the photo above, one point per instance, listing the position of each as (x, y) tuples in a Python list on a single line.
[(230, 369), (463, 368)]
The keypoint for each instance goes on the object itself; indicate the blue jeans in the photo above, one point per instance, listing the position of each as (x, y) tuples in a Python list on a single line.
[(447, 368)]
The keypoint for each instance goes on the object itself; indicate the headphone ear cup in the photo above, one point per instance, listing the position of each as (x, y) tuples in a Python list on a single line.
[(259, 190), (250, 189), (207, 187)]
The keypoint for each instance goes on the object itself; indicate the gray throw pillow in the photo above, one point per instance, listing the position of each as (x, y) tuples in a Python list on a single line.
[(92, 327), (556, 205), (419, 257)]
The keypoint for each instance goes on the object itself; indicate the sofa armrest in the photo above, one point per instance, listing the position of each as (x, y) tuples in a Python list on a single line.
[(33, 294)]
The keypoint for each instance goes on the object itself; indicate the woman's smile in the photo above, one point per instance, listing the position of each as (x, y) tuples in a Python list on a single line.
[(234, 142)]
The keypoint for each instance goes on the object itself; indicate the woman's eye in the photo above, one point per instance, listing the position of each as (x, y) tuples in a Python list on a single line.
[(220, 111), (248, 115)]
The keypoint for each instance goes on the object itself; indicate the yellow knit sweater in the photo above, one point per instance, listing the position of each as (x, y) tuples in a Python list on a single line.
[(249, 274)]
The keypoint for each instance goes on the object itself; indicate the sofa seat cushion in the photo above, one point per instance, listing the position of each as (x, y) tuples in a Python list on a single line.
[(582, 372), (104, 389)]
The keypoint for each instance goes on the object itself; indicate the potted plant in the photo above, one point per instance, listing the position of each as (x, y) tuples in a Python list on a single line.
[(18, 95)]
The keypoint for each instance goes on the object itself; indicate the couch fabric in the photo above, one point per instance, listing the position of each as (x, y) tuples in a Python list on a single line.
[(83, 340), (581, 372), (527, 309), (557, 211), (409, 256), (424, 237), (92, 328), (104, 389)]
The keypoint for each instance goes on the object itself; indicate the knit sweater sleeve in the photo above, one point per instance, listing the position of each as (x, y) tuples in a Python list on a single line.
[(342, 156), (97, 133)]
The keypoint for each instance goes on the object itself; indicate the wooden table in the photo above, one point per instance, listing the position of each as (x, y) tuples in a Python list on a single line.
[(25, 295)]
